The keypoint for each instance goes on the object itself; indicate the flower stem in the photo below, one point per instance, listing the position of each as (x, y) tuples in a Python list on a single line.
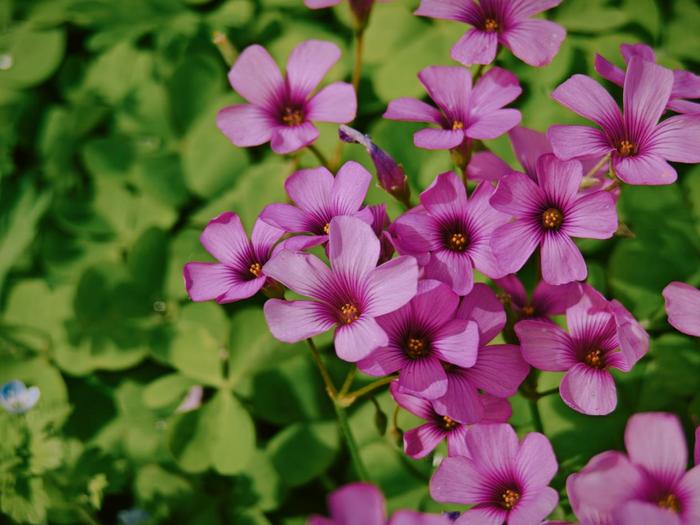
[(350, 398), (348, 382), (357, 69), (549, 392), (360, 468), (588, 179), (226, 48), (536, 417), (320, 156), (330, 388)]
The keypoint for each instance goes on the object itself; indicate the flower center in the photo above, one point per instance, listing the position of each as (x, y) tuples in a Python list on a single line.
[(594, 358), (490, 25), (670, 502), (292, 116), (447, 423), (348, 313), (508, 499), (626, 148), (417, 347), (528, 310), (457, 124), (552, 218), (457, 242), (255, 269)]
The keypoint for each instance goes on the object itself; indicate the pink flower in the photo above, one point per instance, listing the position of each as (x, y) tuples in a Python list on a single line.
[(420, 441), (348, 296), (683, 307), (547, 215), (423, 335), (639, 145), (463, 113), (685, 84), (239, 274), (648, 485), (506, 480), (450, 234), (380, 227), (281, 109), (547, 300), (601, 336), (318, 197), (503, 22)]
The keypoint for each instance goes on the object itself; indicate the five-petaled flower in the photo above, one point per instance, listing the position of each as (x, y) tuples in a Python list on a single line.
[(546, 300), (16, 398)]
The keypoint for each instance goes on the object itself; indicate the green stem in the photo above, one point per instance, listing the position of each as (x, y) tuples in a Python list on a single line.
[(85, 515), (348, 382), (360, 468), (357, 69), (536, 417), (330, 387), (320, 156), (549, 392), (350, 398)]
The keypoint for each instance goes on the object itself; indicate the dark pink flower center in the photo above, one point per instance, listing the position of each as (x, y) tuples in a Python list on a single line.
[(456, 241), (552, 218), (491, 25), (447, 423), (527, 311), (457, 124), (255, 269), (348, 313), (508, 498), (292, 116), (595, 358), (416, 347), (670, 502), (626, 148)]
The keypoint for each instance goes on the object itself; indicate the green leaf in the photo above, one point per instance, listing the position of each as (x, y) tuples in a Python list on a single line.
[(593, 16), (167, 390), (30, 55)]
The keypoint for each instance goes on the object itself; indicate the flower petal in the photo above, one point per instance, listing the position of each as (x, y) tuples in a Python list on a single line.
[(609, 71), (350, 188), (415, 232), (431, 138), (308, 63), (475, 47), (586, 97), (645, 170), (245, 125), (256, 77), (569, 142), (225, 238), (457, 342), (683, 307), (562, 261), (355, 341), (412, 110), (263, 238), (677, 138), (303, 273), (545, 345), (559, 179), (528, 8), (384, 360), (353, 248), (635, 512), (484, 165), (450, 88), (392, 285), (536, 463), (415, 405), (452, 268), (534, 507), (589, 390), (287, 217), (294, 321), (420, 441), (499, 370), (483, 307), (513, 243), (207, 281), (518, 195), (288, 139), (646, 93), (449, 10), (334, 103), (459, 480), (445, 197), (493, 125), (462, 401), (512, 286), (592, 216), (535, 42), (493, 448), (311, 189), (423, 377), (555, 300), (493, 90), (357, 503), (528, 146)]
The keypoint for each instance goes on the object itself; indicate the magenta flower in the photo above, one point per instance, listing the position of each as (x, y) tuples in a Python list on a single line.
[(547, 300), (463, 113), (683, 307), (239, 273), (506, 480), (363, 504), (423, 335), (599, 338), (281, 110), (614, 488), (547, 215), (420, 441), (318, 197), (639, 145), (685, 84), (499, 369), (450, 234), (503, 22), (380, 227), (349, 295)]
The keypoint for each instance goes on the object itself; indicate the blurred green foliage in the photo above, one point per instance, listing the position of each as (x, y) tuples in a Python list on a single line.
[(110, 165)]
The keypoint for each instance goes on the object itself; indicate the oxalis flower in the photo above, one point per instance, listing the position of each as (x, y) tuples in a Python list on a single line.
[(349, 295), (503, 22), (601, 337), (685, 84), (547, 215), (16, 398), (420, 441), (239, 273), (423, 335), (281, 110), (647, 485), (318, 197), (639, 145), (463, 113), (683, 307), (546, 300), (450, 234), (506, 480)]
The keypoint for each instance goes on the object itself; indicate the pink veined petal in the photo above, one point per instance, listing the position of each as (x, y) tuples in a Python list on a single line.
[(208, 281), (493, 448), (308, 63), (415, 405), (677, 138), (683, 307), (562, 261), (591, 319), (460, 480), (496, 409), (483, 307), (584, 96), (263, 238), (592, 216), (357, 503), (245, 125), (350, 187), (527, 8), (697, 447), (511, 285), (462, 402), (456, 442), (633, 339), (589, 390), (513, 243), (392, 285), (301, 243), (293, 321), (287, 217), (684, 106), (423, 377), (475, 47), (528, 146), (518, 195), (487, 514), (534, 507), (334, 103), (494, 124), (311, 189), (636, 512), (452, 268), (241, 290), (355, 341), (559, 179), (644, 170), (445, 197), (646, 92), (301, 272), (435, 304), (689, 491), (685, 84), (411, 517), (383, 361), (536, 463), (320, 4), (315, 519), (353, 248), (456, 10), (450, 88), (609, 71), (457, 342), (288, 139), (663, 452), (434, 139), (416, 233), (545, 345), (555, 300), (640, 50), (256, 77), (535, 42), (494, 90), (484, 165), (225, 238), (420, 441), (499, 370), (569, 142), (412, 110)]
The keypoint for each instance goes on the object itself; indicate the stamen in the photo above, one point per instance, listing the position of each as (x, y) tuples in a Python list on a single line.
[(595, 358), (508, 499), (348, 313), (490, 25), (447, 423), (255, 269), (552, 218), (417, 347), (626, 148), (457, 242), (670, 502), (327, 228), (457, 124), (528, 310), (292, 116)]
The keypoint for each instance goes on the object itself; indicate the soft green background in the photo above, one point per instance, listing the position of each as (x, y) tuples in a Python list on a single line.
[(110, 165)]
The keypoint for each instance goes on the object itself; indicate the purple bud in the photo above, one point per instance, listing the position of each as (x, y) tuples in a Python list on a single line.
[(391, 175)]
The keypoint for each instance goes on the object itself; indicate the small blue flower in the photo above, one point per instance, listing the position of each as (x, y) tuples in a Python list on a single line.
[(133, 516), (16, 398)]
